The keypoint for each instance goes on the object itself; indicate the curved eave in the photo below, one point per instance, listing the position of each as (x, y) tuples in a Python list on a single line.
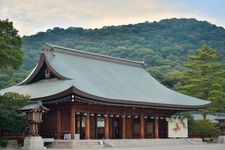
[(43, 60), (139, 103), (74, 90)]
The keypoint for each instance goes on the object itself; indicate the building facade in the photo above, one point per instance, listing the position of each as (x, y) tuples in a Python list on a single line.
[(221, 123), (93, 96)]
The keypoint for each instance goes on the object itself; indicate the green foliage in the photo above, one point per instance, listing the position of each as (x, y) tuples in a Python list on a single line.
[(11, 56), (169, 79), (12, 119), (3, 143), (204, 78), (163, 44), (12, 78), (202, 128)]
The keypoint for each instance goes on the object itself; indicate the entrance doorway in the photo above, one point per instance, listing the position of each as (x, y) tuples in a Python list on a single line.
[(136, 127), (97, 126), (100, 127), (80, 125), (149, 128), (116, 128)]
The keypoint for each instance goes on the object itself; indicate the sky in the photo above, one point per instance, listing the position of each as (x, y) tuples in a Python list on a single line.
[(32, 16)]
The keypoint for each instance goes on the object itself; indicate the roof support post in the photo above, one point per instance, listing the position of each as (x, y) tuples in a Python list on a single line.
[(106, 126), (142, 125), (72, 122), (58, 123), (123, 127), (156, 127), (87, 130)]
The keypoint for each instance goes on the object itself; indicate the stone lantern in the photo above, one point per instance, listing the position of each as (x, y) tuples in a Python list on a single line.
[(34, 111)]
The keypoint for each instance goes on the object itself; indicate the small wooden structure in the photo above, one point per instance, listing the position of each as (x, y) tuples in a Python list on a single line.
[(34, 111), (221, 123), (93, 96)]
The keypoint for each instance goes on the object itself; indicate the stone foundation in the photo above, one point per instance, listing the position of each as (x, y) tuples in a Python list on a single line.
[(33, 143)]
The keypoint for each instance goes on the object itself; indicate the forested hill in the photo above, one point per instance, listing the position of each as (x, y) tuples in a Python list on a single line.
[(163, 45)]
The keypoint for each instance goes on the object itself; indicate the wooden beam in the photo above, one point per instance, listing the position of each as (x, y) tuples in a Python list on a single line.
[(58, 123), (72, 122), (142, 125), (107, 127), (156, 127), (87, 127)]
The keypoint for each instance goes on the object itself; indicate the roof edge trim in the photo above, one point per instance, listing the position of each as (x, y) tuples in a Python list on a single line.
[(128, 102), (43, 60), (81, 53), (74, 90)]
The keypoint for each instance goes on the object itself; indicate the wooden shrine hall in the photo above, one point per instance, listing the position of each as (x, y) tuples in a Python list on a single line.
[(93, 96)]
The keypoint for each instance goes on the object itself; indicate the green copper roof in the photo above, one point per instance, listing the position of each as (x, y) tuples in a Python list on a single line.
[(34, 105), (42, 88), (104, 77)]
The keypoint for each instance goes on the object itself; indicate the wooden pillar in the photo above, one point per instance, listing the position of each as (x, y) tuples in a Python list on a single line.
[(58, 123), (87, 127), (123, 127), (72, 122), (36, 128), (107, 126), (96, 127), (156, 127), (142, 125), (110, 127)]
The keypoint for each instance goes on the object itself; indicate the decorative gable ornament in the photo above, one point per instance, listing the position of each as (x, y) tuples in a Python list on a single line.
[(47, 48), (47, 73)]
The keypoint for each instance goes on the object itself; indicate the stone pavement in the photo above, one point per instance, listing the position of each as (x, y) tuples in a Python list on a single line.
[(158, 147), (165, 147)]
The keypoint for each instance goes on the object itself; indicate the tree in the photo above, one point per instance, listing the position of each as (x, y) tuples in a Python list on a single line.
[(204, 78), (202, 128), (169, 79), (11, 55), (11, 117)]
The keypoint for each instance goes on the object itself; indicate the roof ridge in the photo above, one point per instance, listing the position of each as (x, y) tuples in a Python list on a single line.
[(71, 51)]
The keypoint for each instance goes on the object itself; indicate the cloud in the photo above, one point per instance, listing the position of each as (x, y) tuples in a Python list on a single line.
[(31, 16)]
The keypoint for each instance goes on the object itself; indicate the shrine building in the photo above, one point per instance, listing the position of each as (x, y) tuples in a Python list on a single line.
[(93, 96)]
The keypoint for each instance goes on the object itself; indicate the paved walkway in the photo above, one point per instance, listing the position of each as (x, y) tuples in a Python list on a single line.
[(158, 147), (165, 147), (178, 147)]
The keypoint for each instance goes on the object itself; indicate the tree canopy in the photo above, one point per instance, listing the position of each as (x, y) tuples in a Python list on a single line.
[(202, 128), (163, 45), (204, 78), (11, 117), (11, 55)]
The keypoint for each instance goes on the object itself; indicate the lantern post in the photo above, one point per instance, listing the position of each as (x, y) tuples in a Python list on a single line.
[(34, 111)]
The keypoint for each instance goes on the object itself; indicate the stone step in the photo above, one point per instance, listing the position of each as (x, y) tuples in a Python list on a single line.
[(88, 144), (147, 142), (83, 144), (76, 144)]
